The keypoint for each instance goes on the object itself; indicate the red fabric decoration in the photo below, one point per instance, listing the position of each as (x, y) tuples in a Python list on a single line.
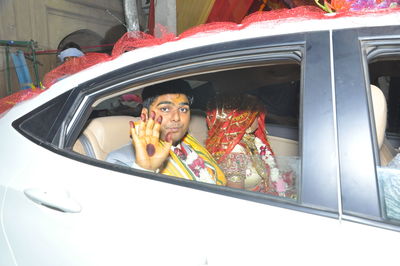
[(134, 40), (73, 66), (228, 118), (229, 10), (302, 12), (9, 101), (131, 41)]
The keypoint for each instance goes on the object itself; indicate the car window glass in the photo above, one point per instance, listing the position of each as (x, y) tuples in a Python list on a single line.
[(40, 123), (389, 184), (385, 75), (279, 96)]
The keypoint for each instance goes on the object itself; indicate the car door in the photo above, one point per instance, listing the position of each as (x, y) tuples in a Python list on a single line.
[(67, 209), (362, 170), (359, 151)]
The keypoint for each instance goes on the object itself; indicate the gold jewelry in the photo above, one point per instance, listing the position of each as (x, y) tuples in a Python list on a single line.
[(257, 162), (236, 178)]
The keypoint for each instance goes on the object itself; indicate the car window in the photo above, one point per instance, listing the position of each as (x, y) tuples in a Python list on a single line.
[(96, 118), (274, 76), (42, 124), (279, 97), (384, 75)]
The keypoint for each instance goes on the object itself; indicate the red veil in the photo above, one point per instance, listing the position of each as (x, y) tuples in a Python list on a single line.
[(228, 118)]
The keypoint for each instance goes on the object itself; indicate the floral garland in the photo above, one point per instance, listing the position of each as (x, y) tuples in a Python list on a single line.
[(356, 5)]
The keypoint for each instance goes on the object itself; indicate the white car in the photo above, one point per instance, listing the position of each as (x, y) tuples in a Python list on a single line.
[(321, 80)]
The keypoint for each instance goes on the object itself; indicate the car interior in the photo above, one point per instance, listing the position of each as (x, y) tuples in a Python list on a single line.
[(383, 74), (105, 134), (386, 150), (277, 86)]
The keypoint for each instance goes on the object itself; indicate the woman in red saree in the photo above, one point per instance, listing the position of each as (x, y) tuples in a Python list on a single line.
[(238, 141)]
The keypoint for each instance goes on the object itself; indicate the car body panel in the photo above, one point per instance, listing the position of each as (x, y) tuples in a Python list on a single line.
[(131, 223), (127, 227), (359, 188), (132, 217)]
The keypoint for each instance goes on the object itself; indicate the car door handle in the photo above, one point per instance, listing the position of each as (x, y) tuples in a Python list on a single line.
[(55, 199)]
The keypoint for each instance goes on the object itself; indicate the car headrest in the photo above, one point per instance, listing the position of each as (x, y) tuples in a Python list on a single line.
[(198, 126), (380, 113)]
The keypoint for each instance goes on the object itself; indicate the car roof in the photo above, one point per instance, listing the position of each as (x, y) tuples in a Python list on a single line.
[(267, 24), (310, 20)]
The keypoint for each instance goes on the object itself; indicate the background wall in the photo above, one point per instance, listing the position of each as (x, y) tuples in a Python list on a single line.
[(48, 22)]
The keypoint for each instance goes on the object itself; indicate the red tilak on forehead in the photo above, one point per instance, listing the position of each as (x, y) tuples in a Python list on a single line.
[(174, 99)]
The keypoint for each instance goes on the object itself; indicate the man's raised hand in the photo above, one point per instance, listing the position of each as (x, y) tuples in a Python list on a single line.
[(150, 151)]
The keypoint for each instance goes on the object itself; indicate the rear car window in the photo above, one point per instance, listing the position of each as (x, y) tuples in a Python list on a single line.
[(384, 74), (41, 124), (279, 98)]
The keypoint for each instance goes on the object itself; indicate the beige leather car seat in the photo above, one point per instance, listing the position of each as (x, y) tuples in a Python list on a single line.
[(198, 126), (283, 147), (379, 105), (103, 135)]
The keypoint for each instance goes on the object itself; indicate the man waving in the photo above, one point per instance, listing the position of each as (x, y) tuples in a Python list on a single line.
[(160, 140)]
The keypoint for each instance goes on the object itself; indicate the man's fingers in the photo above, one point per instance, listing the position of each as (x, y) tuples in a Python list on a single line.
[(134, 135), (168, 141), (157, 127), (132, 129), (150, 124), (141, 154), (142, 126)]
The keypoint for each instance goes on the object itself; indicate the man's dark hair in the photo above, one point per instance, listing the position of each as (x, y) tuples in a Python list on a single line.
[(177, 86)]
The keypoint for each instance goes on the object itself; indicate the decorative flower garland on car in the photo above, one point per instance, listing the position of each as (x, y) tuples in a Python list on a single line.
[(356, 5)]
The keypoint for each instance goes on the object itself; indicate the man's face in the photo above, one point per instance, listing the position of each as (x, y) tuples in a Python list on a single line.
[(175, 111)]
